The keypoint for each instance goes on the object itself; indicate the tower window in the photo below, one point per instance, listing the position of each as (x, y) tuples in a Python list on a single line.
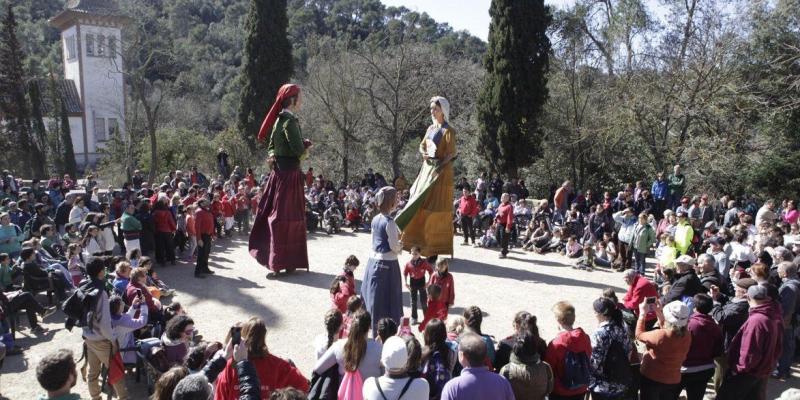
[(89, 44), (113, 128), (101, 45), (69, 44), (100, 130)]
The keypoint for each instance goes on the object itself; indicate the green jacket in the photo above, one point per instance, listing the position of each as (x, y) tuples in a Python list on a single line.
[(643, 237), (11, 237), (286, 140), (129, 223), (677, 184)]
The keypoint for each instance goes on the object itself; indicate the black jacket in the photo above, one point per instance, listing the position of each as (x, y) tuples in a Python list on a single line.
[(730, 316), (685, 284), (249, 388)]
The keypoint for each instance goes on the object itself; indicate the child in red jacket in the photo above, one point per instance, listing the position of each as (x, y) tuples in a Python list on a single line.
[(344, 285), (444, 279), (570, 344), (415, 271), (228, 213), (437, 307)]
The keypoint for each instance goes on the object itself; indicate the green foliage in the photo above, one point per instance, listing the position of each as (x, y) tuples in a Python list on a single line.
[(38, 130), (515, 90), (267, 64), (179, 149), (13, 103), (69, 165)]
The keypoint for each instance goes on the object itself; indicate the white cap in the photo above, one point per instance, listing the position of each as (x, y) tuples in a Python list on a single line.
[(394, 354), (676, 313)]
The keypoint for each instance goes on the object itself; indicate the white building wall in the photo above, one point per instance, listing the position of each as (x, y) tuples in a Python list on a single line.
[(71, 65), (103, 91)]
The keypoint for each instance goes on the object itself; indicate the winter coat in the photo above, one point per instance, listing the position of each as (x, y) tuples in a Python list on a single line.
[(531, 379), (685, 284), (758, 344), (575, 341)]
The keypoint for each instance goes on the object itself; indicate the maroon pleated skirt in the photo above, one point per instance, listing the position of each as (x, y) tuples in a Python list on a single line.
[(278, 237)]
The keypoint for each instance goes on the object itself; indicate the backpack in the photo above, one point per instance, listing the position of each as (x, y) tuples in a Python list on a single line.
[(402, 392), (326, 385), (80, 305), (576, 370), (437, 374), (616, 364)]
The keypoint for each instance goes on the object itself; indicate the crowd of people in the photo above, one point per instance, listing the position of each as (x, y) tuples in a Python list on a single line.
[(720, 304)]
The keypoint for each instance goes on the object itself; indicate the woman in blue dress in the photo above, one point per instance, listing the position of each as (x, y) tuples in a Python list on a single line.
[(381, 287)]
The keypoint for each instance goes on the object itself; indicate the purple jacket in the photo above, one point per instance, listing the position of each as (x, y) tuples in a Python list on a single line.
[(477, 384), (706, 340), (756, 347)]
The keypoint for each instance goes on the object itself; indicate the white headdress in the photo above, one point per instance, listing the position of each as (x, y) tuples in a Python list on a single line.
[(445, 107)]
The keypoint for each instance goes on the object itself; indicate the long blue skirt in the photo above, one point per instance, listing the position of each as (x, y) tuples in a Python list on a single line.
[(382, 291)]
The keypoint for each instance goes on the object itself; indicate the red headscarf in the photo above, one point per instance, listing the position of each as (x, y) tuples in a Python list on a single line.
[(286, 91)]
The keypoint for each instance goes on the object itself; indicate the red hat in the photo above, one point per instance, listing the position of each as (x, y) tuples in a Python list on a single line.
[(286, 91)]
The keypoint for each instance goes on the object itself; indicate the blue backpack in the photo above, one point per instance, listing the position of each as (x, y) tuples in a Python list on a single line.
[(576, 370), (437, 374)]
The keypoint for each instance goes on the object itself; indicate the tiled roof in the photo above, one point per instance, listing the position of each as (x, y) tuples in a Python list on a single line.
[(66, 89)]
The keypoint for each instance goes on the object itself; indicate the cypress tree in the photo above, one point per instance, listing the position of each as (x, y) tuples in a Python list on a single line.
[(54, 127), (68, 153), (39, 132), (267, 64), (13, 103), (511, 101)]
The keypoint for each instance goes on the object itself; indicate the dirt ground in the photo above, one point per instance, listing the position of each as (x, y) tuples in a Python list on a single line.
[(293, 306)]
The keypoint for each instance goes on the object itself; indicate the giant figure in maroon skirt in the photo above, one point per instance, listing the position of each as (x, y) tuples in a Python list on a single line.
[(278, 237)]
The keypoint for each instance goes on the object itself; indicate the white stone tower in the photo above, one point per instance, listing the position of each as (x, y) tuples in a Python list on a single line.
[(91, 47)]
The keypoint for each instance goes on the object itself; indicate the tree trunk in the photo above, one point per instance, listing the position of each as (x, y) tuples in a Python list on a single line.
[(345, 158)]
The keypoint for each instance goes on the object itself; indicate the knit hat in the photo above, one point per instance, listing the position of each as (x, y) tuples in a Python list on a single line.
[(757, 292), (676, 313), (193, 387), (745, 283), (394, 354)]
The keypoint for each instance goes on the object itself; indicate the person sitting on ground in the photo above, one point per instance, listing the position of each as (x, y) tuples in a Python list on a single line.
[(539, 237), (396, 382), (272, 372), (555, 244), (57, 374), (524, 324), (667, 347), (573, 345), (476, 382), (586, 261), (489, 238)]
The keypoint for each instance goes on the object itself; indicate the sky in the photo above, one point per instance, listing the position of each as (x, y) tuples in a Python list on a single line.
[(469, 15)]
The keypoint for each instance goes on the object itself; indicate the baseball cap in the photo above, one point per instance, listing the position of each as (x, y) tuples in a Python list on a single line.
[(684, 259), (676, 313), (394, 354)]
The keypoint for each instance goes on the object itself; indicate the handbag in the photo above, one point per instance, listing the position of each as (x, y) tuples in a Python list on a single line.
[(116, 368)]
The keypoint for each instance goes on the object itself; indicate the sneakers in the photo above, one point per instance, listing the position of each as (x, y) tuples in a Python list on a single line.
[(49, 311)]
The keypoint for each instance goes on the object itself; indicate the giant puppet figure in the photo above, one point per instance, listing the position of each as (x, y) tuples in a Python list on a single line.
[(278, 237), (427, 219)]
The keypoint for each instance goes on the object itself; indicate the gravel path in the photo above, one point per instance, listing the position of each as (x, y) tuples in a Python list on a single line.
[(293, 305)]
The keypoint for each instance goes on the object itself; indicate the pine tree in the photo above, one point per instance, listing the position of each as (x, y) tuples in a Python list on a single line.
[(54, 128), (515, 87), (68, 153), (13, 103), (266, 66)]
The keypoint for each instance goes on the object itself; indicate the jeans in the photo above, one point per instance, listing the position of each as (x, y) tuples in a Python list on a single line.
[(787, 356), (98, 353), (467, 228), (602, 262), (695, 383), (418, 291), (502, 238), (652, 390), (641, 261), (202, 254), (742, 386), (624, 255)]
